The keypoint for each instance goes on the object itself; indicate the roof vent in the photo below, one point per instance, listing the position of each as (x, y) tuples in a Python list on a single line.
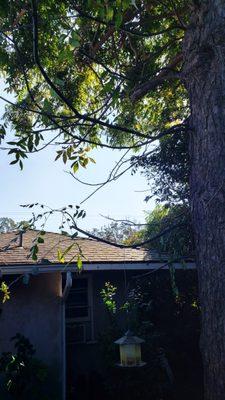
[(21, 238)]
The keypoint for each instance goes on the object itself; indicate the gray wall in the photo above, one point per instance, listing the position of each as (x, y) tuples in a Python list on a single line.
[(36, 311)]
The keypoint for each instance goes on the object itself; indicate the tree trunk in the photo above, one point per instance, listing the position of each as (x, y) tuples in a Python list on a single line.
[(204, 77)]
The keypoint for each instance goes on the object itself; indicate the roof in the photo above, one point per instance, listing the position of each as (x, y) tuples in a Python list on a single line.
[(11, 253), (129, 338)]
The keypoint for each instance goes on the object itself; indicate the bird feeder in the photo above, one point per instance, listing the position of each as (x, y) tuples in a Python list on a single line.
[(130, 350)]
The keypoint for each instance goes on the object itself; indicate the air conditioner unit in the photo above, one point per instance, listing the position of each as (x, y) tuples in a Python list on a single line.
[(76, 333)]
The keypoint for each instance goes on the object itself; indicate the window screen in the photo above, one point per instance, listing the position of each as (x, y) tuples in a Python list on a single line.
[(77, 304)]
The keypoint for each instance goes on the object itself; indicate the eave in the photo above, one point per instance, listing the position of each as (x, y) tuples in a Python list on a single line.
[(34, 269)]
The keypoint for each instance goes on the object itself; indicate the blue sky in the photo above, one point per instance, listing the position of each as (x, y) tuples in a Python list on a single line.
[(46, 181)]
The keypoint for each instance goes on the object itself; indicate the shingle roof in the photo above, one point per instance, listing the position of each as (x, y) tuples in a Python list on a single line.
[(93, 251)]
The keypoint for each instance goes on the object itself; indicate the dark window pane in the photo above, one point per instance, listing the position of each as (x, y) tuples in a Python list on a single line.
[(78, 333), (77, 298), (77, 303), (80, 283), (76, 312)]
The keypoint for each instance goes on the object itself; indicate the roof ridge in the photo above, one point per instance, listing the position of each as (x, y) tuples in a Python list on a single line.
[(17, 231)]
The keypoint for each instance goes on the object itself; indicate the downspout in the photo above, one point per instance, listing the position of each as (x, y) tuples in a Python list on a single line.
[(68, 285), (66, 290)]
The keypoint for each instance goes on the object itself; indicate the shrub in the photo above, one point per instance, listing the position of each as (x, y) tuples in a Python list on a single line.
[(22, 375)]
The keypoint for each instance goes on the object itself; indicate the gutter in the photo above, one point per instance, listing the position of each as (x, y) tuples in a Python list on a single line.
[(35, 269)]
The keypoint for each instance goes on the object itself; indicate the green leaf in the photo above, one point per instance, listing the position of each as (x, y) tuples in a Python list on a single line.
[(83, 161), (79, 263), (30, 143), (118, 20), (2, 131), (74, 235), (80, 214), (75, 167), (59, 82), (109, 13), (64, 157), (60, 257), (14, 162), (37, 140), (59, 153), (4, 288), (68, 249), (34, 251), (75, 39)]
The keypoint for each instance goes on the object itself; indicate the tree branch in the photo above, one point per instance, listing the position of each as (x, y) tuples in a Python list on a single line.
[(123, 28), (133, 246), (86, 117), (166, 73), (167, 264)]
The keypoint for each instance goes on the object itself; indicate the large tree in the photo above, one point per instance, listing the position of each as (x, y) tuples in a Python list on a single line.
[(123, 74), (7, 225)]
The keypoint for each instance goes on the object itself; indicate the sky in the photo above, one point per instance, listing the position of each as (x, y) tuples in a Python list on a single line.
[(47, 182)]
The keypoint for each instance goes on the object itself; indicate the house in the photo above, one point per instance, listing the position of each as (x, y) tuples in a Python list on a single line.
[(56, 307)]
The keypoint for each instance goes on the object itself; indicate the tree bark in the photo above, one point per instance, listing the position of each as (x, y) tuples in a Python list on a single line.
[(204, 77)]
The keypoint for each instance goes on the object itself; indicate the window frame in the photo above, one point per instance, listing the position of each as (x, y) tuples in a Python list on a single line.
[(89, 317)]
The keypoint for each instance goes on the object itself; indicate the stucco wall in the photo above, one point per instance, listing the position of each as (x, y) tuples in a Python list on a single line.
[(35, 310)]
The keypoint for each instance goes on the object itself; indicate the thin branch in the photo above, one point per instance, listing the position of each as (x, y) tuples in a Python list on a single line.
[(172, 130), (74, 226), (167, 264), (124, 221), (133, 246), (115, 174), (166, 73), (61, 95), (123, 28), (109, 177), (98, 61)]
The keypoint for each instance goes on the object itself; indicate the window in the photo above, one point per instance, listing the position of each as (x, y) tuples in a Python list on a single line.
[(77, 304), (78, 312), (77, 332)]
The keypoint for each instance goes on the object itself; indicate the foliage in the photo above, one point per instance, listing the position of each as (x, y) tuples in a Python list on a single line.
[(108, 293), (116, 232), (23, 375), (9, 225), (176, 242), (5, 292), (167, 169), (82, 73), (77, 70), (109, 73)]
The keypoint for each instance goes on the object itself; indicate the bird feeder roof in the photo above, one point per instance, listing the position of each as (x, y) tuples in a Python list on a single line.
[(129, 338)]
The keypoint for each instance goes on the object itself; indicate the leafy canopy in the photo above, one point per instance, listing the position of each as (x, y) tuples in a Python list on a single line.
[(78, 69), (91, 74), (176, 243)]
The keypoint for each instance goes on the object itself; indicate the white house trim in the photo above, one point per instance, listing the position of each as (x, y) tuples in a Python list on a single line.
[(47, 268)]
